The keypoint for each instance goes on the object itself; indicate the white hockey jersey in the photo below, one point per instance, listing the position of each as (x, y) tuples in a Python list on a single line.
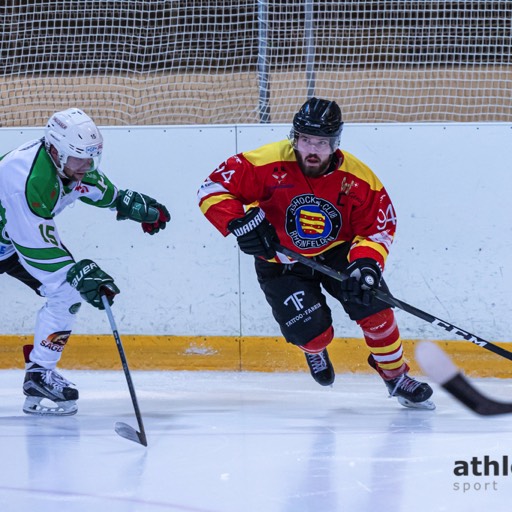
[(31, 195)]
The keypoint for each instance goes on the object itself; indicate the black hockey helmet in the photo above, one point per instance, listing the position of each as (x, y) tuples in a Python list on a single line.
[(318, 117)]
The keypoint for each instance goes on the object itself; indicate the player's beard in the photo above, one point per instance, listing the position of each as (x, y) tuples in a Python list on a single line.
[(312, 165)]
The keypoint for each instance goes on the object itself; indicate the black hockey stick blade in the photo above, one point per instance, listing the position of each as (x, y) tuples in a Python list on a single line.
[(121, 428), (436, 364), (128, 432), (397, 303)]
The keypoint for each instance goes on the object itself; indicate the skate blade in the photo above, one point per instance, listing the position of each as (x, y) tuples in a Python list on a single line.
[(427, 405), (35, 405), (124, 430)]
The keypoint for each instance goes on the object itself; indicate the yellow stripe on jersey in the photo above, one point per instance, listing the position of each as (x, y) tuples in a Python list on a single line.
[(281, 151), (354, 166), (328, 248), (363, 242), (212, 201)]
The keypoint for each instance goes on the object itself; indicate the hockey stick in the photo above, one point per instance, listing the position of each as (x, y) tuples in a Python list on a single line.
[(123, 429), (392, 301), (438, 366)]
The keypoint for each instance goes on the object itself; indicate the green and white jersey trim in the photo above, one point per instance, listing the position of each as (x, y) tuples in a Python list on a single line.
[(49, 259)]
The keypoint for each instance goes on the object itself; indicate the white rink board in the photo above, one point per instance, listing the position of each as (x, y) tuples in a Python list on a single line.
[(450, 184)]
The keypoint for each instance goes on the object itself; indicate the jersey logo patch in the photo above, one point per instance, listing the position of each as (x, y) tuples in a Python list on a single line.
[(312, 222), (56, 341), (279, 174), (81, 188)]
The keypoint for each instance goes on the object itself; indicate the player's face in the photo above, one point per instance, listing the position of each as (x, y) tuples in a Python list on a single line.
[(76, 168), (313, 154)]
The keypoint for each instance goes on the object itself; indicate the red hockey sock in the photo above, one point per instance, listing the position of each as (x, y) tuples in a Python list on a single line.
[(383, 339), (317, 344)]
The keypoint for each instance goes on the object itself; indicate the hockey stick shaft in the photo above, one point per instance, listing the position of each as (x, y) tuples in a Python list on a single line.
[(394, 302), (123, 429)]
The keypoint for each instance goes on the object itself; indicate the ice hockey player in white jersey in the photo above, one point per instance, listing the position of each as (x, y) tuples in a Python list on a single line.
[(37, 181)]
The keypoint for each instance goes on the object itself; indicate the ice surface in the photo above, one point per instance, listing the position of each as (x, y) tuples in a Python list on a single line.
[(249, 442)]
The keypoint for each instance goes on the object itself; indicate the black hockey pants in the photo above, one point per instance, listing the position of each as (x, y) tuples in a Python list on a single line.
[(295, 294)]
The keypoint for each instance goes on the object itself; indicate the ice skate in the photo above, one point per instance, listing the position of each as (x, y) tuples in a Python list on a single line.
[(408, 391), (48, 392), (321, 367)]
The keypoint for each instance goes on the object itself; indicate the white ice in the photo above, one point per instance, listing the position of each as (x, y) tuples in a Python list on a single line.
[(249, 442)]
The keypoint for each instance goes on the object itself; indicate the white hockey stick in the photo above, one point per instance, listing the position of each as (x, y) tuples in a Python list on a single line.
[(439, 367), (123, 429)]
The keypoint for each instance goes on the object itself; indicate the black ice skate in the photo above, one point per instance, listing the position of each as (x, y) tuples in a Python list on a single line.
[(44, 384), (409, 392), (321, 367)]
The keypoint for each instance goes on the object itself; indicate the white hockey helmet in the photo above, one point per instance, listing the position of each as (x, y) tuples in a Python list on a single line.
[(73, 133)]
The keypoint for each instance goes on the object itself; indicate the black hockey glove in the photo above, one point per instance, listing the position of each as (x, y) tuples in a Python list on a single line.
[(152, 215), (254, 233), (364, 276), (91, 282)]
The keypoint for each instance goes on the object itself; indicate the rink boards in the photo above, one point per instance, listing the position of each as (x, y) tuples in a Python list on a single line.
[(189, 300), (263, 354)]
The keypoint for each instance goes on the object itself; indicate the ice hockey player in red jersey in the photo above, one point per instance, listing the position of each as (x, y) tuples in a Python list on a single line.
[(311, 197)]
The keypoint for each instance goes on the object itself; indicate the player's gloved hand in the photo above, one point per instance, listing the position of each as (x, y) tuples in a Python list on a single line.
[(364, 276), (254, 233), (91, 282), (152, 215), (163, 218)]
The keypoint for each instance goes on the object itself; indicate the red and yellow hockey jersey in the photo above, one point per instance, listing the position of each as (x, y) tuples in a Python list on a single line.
[(310, 215)]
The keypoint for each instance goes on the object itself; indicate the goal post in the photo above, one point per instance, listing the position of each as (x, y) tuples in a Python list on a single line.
[(152, 62)]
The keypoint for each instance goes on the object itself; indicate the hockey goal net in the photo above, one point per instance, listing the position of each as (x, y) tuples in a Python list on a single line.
[(247, 61)]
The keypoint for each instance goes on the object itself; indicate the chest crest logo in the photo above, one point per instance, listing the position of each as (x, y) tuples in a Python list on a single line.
[(312, 222)]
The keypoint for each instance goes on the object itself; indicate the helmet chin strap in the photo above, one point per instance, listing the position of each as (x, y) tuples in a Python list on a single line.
[(59, 167)]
